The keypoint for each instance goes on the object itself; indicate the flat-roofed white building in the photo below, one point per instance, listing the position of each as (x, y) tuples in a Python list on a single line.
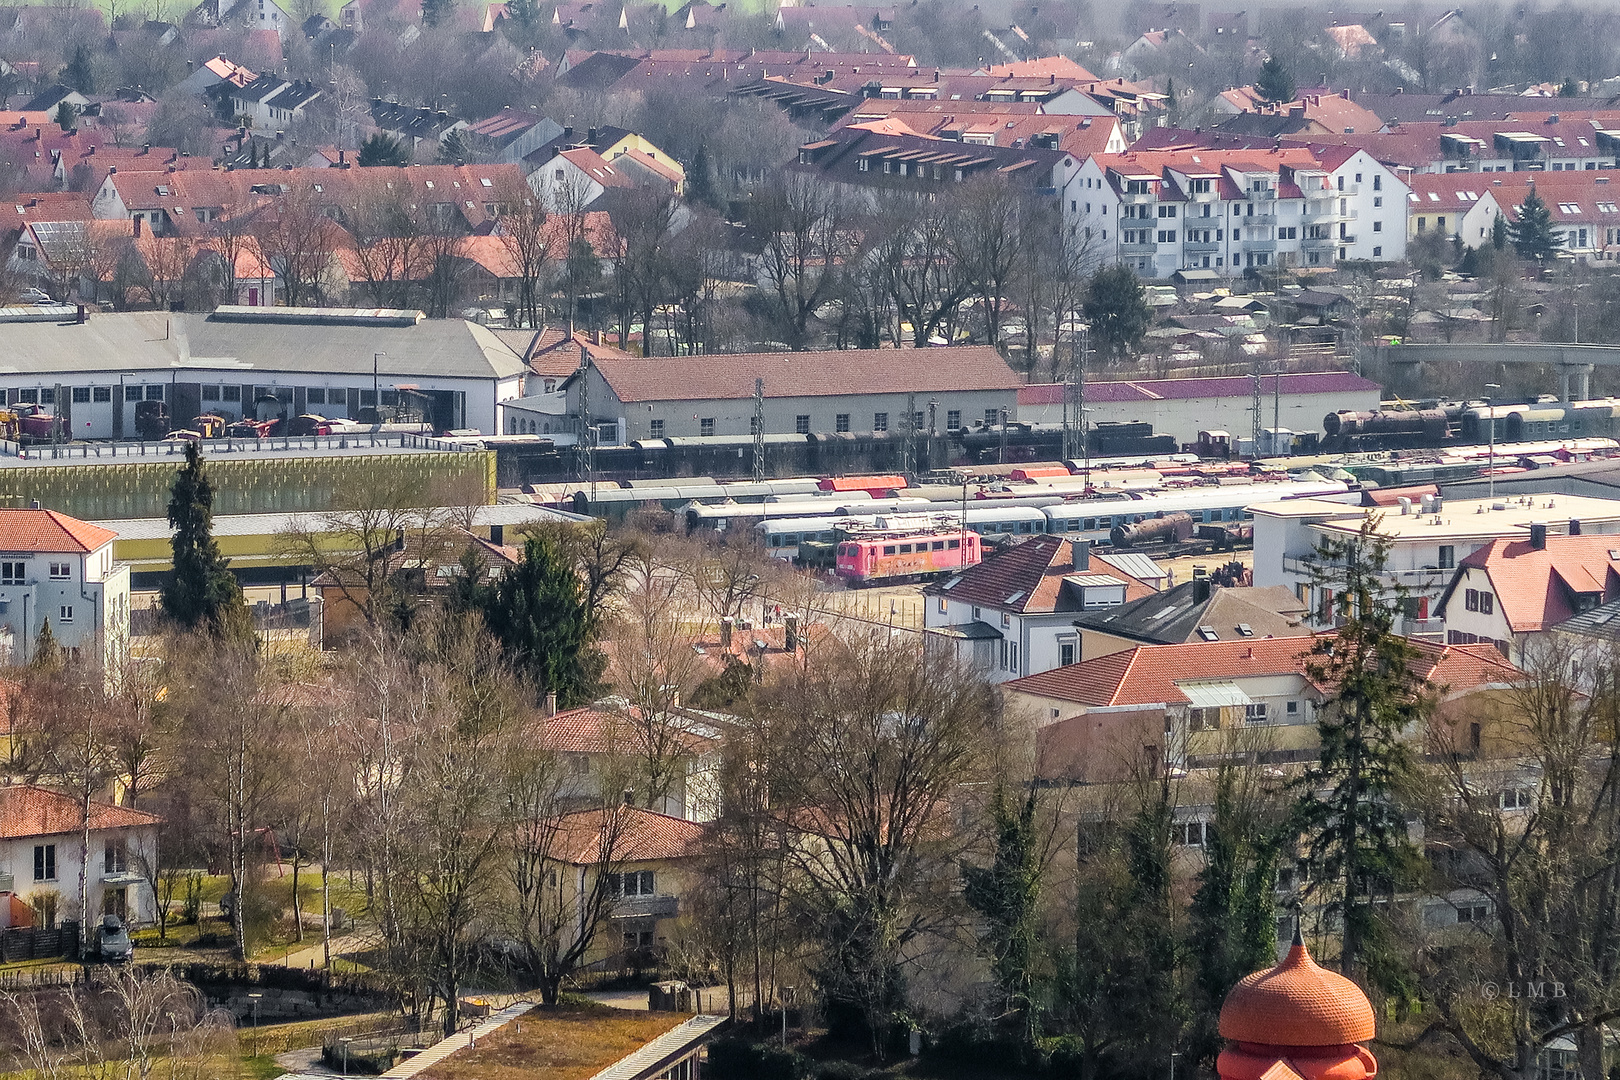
[(1425, 548)]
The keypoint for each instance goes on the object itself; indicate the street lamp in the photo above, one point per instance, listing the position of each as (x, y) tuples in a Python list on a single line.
[(254, 996), (787, 996), (1490, 411), (1173, 1055)]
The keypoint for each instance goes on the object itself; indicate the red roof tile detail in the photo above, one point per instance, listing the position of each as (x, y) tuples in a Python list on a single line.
[(1535, 588), (625, 834), (49, 531), (808, 374), (28, 810)]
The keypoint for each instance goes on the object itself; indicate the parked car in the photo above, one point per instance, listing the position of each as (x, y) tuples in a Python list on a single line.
[(35, 296), (112, 941)]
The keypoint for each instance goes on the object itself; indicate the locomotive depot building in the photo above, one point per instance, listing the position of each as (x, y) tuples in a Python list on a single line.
[(852, 390), (240, 361)]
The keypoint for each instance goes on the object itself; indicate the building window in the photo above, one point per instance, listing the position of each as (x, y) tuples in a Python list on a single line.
[(953, 419), (101, 393), (1187, 833), (315, 395), (44, 862), (801, 424), (11, 573), (81, 395), (1254, 712), (154, 392), (632, 883), (234, 393), (880, 421), (1292, 709), (706, 426), (61, 571), (1487, 603), (115, 857), (841, 422), (1448, 557), (1065, 653), (64, 614), (992, 417), (1203, 719), (656, 429)]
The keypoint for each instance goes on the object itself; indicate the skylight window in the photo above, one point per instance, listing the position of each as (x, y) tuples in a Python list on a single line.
[(1208, 633), (1245, 629)]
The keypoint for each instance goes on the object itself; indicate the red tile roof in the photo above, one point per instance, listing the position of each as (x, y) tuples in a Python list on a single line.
[(601, 731), (49, 531), (808, 374), (632, 834), (1028, 578), (1535, 588), (27, 810), (1148, 674)]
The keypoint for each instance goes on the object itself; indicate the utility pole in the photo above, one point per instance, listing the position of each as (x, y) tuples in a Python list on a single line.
[(1254, 433), (585, 452), (1080, 407), (933, 433), (1068, 453), (759, 430), (908, 446)]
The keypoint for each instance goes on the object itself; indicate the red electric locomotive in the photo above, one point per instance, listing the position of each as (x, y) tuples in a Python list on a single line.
[(893, 558)]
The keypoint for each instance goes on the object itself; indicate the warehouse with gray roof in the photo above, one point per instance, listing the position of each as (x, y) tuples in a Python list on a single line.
[(96, 370)]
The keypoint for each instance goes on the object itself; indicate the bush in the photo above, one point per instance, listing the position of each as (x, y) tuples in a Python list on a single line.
[(846, 1070), (738, 1059)]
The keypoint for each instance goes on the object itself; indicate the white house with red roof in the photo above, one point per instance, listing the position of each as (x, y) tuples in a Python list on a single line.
[(610, 742), (60, 570), (1512, 592), (42, 849), (1013, 613)]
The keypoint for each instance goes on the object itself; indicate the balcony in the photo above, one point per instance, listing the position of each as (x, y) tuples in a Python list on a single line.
[(1149, 248), (1257, 219), (1260, 245), (646, 907), (1139, 198), (1347, 238), (1201, 246), (1318, 243)]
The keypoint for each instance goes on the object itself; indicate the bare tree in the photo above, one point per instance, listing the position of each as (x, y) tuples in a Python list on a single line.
[(654, 668), (1528, 827), (390, 249), (528, 237), (878, 735), (297, 239), (233, 714), (643, 218), (807, 228), (985, 237)]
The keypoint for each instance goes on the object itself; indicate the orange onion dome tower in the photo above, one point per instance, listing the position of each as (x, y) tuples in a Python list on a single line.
[(1296, 1021)]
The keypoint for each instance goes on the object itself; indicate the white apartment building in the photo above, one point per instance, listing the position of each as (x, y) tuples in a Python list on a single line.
[(41, 844), (1426, 543), (59, 569), (1230, 210)]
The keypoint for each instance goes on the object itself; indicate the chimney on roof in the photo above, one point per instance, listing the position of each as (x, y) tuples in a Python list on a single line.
[(568, 134), (1538, 535), (1574, 526), (1080, 554), (551, 704), (112, 170), (33, 504), (1201, 589)]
